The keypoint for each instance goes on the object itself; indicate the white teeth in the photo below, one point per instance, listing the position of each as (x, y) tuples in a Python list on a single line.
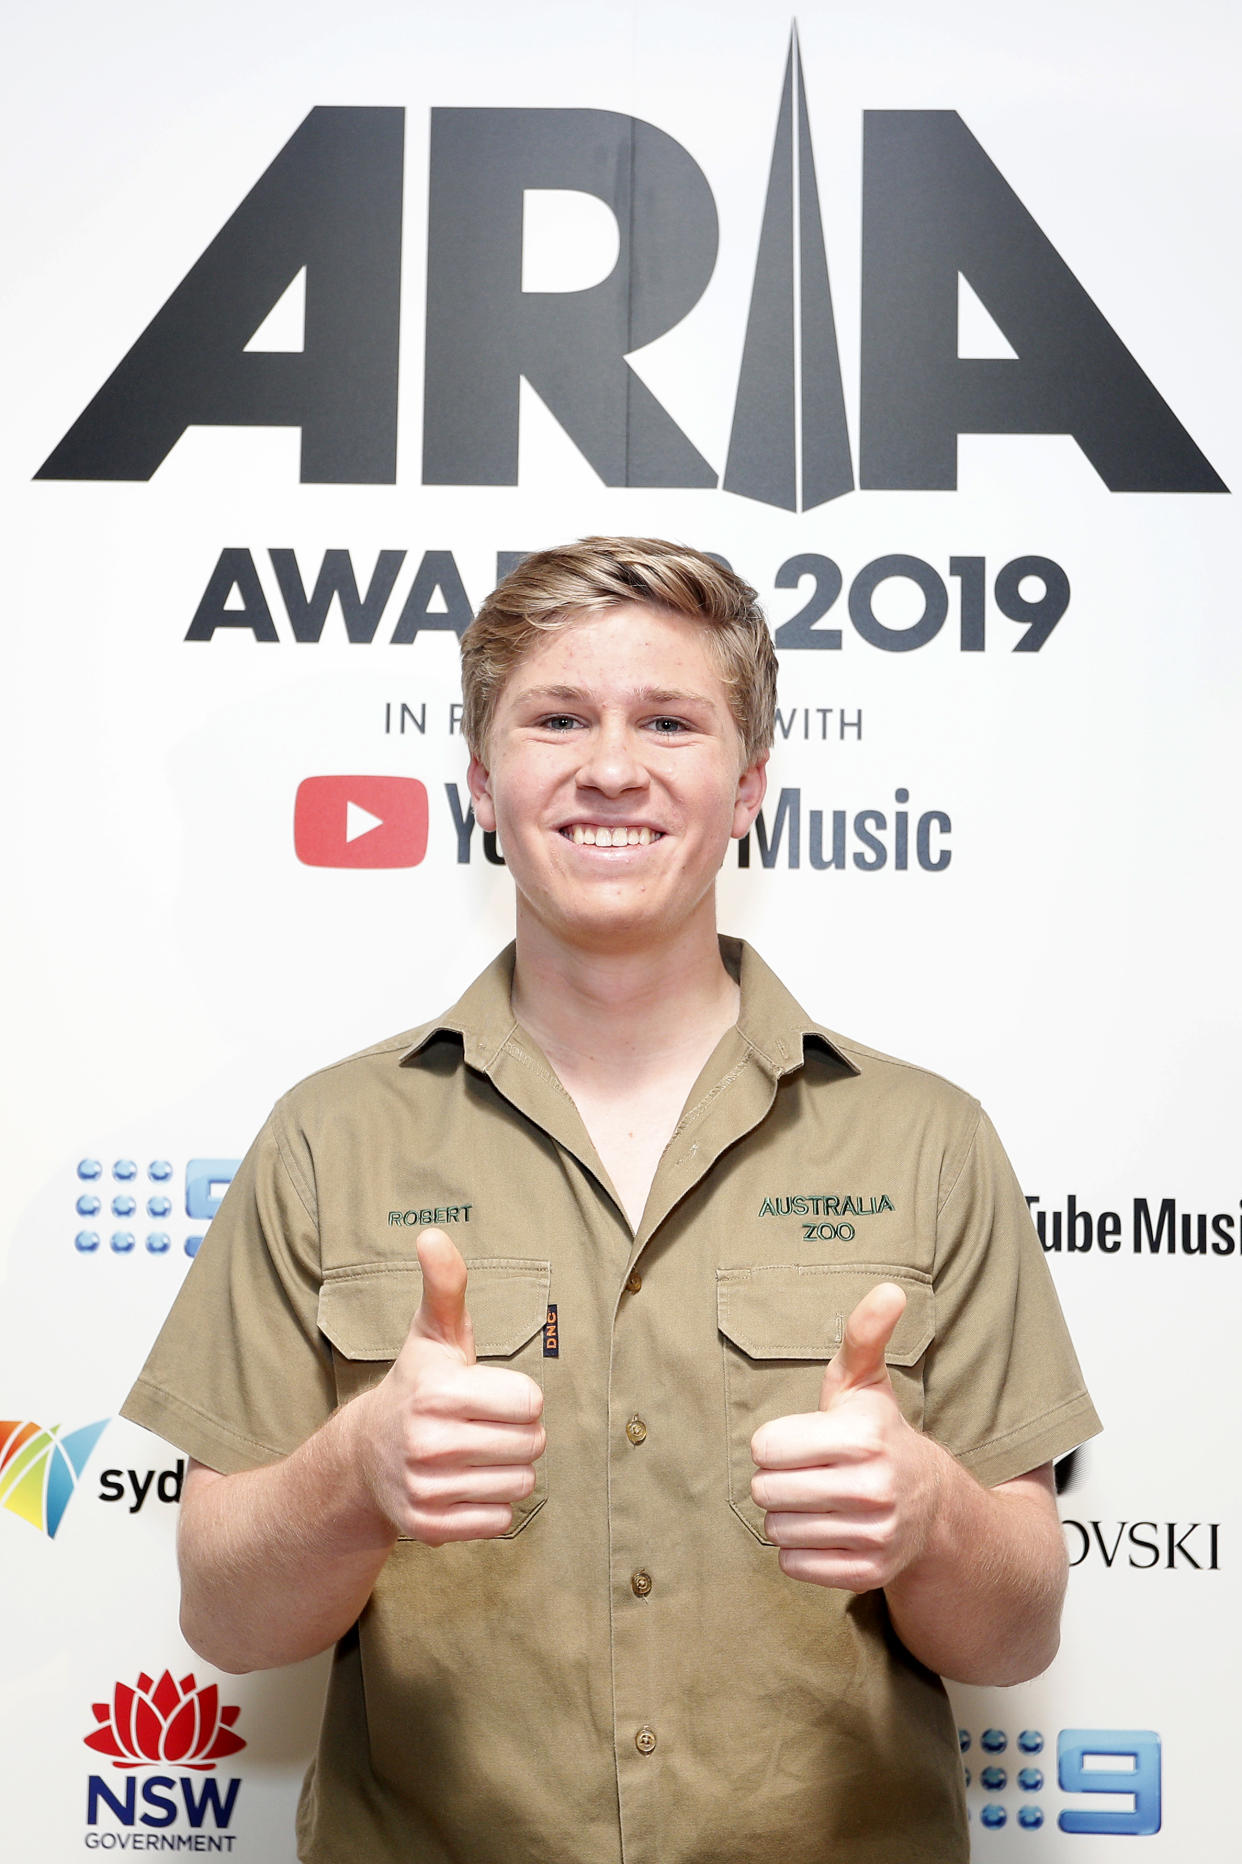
[(599, 835)]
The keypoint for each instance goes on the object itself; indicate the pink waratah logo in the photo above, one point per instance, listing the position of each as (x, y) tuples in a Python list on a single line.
[(179, 1724)]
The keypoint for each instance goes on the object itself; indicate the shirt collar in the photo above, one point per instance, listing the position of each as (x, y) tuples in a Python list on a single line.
[(770, 1019), (482, 1016)]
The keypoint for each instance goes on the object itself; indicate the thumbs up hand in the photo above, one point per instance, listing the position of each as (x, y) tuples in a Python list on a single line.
[(442, 1319), (447, 1446), (850, 1489)]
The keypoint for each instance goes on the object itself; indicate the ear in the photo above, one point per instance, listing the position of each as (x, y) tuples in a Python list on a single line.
[(751, 788), (479, 782)]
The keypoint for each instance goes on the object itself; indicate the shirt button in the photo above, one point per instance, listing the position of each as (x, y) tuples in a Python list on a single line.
[(633, 1282), (641, 1583), (636, 1430), (645, 1739)]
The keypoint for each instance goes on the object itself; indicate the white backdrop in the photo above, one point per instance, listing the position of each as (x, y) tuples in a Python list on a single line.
[(174, 965)]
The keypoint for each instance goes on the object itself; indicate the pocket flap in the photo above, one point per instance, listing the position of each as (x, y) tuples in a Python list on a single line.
[(799, 1310), (366, 1311)]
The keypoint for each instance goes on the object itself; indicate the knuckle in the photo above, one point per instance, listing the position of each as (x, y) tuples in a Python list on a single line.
[(420, 1491), (440, 1396), (873, 1541), (431, 1529), (424, 1441), (871, 1438), (884, 1489)]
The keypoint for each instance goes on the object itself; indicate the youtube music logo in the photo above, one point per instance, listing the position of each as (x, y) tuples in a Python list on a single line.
[(360, 822)]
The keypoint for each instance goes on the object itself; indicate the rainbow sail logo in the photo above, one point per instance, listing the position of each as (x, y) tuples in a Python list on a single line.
[(39, 1469)]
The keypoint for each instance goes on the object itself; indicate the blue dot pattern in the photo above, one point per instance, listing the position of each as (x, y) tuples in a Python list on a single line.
[(993, 1780), (124, 1205)]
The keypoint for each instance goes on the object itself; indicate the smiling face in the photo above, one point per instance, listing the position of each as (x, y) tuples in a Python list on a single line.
[(615, 780)]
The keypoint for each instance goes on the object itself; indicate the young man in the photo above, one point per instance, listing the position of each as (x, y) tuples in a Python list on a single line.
[(643, 1511)]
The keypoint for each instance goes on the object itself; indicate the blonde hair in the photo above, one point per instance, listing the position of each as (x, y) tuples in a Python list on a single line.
[(553, 588)]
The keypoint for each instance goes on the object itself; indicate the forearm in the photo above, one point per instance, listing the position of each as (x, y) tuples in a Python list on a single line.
[(277, 1563), (982, 1602)]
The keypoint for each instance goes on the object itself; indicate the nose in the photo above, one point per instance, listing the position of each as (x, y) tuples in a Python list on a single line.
[(611, 764)]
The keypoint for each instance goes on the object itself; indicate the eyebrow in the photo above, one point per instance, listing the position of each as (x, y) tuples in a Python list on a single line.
[(644, 695)]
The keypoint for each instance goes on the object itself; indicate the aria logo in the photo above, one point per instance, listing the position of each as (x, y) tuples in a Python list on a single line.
[(39, 1469), (321, 230), (165, 1723)]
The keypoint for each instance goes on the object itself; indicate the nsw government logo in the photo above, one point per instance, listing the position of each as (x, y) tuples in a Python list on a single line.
[(166, 1724)]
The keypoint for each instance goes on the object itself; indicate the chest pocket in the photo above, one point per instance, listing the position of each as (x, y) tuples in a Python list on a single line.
[(365, 1314), (780, 1325)]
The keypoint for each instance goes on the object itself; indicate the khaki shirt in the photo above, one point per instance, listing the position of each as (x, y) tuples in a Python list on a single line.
[(627, 1677)]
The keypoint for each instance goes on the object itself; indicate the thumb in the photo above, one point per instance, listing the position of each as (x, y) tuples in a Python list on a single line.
[(859, 1361), (442, 1312)]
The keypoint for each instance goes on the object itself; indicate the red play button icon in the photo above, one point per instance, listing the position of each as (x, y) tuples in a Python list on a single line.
[(360, 822)]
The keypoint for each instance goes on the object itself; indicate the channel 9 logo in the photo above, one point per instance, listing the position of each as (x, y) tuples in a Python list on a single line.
[(138, 1205), (1119, 1762)]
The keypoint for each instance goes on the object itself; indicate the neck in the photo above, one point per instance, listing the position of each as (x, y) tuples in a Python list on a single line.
[(622, 1014)]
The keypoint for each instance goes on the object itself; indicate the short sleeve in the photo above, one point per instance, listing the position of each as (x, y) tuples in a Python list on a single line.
[(240, 1375), (1002, 1386)]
